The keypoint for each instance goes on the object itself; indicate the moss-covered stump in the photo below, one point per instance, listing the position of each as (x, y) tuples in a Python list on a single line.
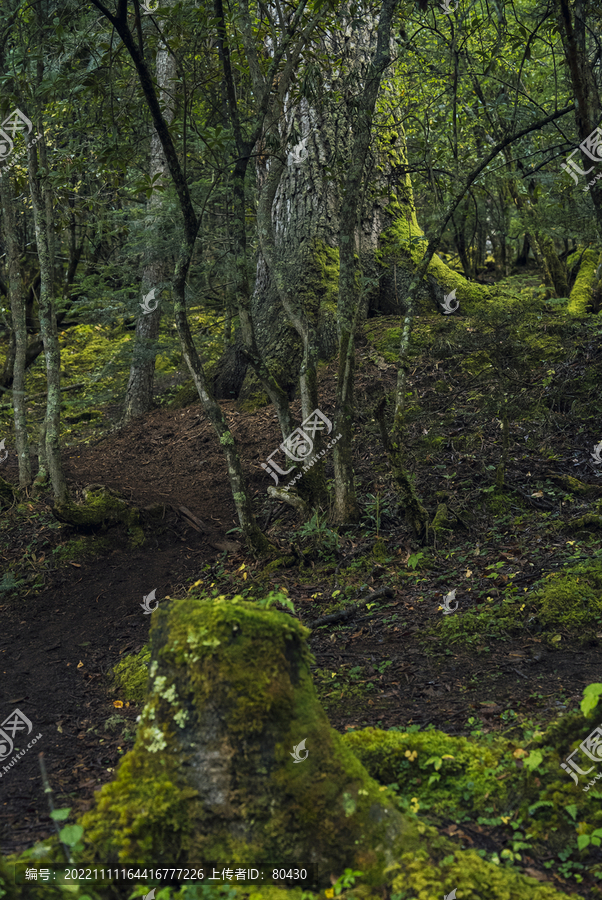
[(101, 508), (212, 778)]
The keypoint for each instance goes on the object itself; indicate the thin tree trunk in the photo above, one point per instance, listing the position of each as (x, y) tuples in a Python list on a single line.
[(17, 305), (242, 501), (349, 306), (139, 393), (48, 327)]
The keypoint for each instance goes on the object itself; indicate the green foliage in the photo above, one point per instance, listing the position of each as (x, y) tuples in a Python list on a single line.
[(317, 533), (591, 695), (276, 597)]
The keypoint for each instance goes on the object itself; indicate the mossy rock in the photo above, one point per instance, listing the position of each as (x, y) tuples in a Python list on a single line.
[(131, 675), (212, 774)]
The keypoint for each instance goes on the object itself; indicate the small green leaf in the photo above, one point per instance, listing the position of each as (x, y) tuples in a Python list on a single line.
[(59, 815), (591, 695), (71, 834)]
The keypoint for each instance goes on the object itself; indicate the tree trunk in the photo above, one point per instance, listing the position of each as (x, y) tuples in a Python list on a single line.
[(582, 61), (48, 326), (139, 393), (17, 305)]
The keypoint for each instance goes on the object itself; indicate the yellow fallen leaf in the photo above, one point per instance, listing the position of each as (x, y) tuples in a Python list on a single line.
[(118, 703), (505, 819), (468, 573), (519, 752), (329, 892), (537, 494), (80, 664)]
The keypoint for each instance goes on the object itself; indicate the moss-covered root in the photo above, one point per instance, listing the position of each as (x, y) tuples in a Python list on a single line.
[(581, 295), (101, 508), (212, 775)]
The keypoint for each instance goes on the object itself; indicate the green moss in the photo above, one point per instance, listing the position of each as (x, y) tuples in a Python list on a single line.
[(185, 395), (582, 289), (82, 546), (131, 675), (570, 600), (422, 878)]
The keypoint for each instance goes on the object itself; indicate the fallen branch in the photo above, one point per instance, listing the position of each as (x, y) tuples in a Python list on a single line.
[(350, 610), (213, 539)]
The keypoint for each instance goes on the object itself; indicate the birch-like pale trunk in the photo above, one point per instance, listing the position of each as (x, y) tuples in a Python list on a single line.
[(139, 392), (48, 327), (349, 306), (18, 313)]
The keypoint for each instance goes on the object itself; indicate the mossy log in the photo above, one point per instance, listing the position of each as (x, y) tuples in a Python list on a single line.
[(101, 509), (212, 777)]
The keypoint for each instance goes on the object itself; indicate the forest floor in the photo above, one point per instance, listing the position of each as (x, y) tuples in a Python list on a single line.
[(71, 608)]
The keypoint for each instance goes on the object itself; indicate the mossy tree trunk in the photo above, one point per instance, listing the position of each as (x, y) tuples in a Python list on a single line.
[(350, 307), (18, 314), (139, 393)]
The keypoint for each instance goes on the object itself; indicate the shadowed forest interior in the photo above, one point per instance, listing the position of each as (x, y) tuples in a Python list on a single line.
[(300, 448)]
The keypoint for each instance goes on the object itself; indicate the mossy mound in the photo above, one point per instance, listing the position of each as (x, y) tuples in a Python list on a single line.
[(570, 601), (131, 675), (212, 775)]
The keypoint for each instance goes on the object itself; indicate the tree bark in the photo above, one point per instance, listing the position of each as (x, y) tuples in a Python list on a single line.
[(17, 305), (48, 324), (139, 393), (582, 62)]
